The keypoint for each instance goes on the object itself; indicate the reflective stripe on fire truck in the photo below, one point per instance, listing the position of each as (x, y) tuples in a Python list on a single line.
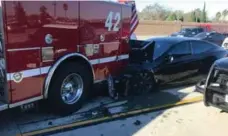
[(44, 70)]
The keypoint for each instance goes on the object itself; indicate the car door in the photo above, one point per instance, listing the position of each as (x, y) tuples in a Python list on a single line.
[(178, 63), (200, 50)]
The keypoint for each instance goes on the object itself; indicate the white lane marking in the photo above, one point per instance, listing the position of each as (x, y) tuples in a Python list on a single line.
[(44, 70)]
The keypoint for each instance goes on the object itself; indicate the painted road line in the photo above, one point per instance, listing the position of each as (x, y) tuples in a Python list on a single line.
[(112, 117)]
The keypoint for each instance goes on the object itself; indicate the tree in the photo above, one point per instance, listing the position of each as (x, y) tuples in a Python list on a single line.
[(155, 12), (172, 17), (179, 14), (20, 14), (193, 16), (44, 15), (181, 18), (198, 14), (43, 9), (224, 13), (218, 16), (204, 16)]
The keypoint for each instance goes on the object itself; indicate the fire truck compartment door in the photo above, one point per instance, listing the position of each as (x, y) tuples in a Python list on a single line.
[(24, 71), (100, 28)]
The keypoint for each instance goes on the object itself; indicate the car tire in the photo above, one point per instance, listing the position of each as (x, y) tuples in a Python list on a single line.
[(63, 97), (149, 81), (141, 83)]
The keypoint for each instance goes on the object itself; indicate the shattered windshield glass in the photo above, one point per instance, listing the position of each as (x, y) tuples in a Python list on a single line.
[(160, 48)]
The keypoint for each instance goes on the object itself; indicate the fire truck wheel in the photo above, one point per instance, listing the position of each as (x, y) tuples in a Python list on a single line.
[(69, 88)]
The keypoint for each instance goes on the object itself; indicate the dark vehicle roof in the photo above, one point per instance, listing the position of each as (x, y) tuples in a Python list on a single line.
[(175, 40), (211, 32), (191, 27), (171, 40)]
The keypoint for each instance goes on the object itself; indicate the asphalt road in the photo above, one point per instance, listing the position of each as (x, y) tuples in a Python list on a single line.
[(194, 119), (12, 123)]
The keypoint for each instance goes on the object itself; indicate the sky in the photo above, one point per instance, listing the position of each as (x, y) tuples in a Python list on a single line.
[(212, 6)]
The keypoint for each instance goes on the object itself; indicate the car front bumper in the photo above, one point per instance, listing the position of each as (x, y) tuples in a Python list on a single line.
[(216, 89)]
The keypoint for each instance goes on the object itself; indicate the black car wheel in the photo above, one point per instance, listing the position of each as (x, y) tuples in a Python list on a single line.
[(140, 83)]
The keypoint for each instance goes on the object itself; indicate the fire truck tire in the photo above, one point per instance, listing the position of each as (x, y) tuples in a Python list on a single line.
[(69, 88)]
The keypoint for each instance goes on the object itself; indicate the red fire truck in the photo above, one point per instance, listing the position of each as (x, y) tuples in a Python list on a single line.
[(57, 50)]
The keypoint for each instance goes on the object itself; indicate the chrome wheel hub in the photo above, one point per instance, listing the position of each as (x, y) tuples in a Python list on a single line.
[(72, 88)]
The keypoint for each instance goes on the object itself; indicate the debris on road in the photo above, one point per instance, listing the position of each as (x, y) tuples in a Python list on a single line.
[(97, 112)]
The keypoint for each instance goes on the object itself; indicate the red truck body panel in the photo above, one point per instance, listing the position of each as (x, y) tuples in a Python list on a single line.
[(73, 26)]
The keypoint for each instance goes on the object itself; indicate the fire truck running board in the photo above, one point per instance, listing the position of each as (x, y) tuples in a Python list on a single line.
[(3, 106)]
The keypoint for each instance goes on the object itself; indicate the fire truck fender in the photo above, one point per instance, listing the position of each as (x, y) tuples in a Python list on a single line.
[(58, 63)]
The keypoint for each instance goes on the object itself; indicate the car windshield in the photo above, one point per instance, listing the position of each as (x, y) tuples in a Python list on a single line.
[(161, 46), (184, 30), (201, 35)]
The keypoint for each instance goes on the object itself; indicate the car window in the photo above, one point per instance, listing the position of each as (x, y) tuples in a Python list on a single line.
[(218, 36), (201, 30), (201, 47), (181, 49), (201, 35), (160, 48), (185, 30), (195, 30)]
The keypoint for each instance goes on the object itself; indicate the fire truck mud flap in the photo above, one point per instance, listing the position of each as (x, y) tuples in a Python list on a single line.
[(103, 109)]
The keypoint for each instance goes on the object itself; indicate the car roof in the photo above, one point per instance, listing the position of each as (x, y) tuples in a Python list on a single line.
[(176, 40), (172, 40), (211, 32)]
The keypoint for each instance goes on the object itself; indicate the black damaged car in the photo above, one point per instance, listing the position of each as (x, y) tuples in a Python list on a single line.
[(169, 60)]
